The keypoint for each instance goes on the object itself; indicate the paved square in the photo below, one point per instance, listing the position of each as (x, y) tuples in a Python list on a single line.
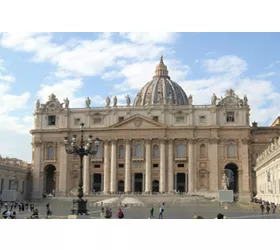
[(138, 207)]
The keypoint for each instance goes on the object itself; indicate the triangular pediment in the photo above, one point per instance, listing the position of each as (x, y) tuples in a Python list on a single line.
[(138, 122)]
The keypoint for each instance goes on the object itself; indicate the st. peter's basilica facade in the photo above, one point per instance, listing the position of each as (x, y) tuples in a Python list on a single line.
[(160, 143)]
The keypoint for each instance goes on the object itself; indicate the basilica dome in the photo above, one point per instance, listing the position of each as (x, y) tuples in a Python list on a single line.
[(161, 90)]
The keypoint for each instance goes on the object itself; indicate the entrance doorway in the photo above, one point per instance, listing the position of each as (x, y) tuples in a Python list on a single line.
[(97, 183), (181, 182), (231, 171), (50, 178), (155, 186), (138, 182), (121, 186)]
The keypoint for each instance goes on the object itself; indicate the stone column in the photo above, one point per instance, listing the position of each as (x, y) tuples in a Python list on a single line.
[(132, 182), (245, 194), (214, 165), (86, 174), (148, 167), (62, 179), (191, 169), (106, 168), (37, 192), (113, 186), (170, 167), (127, 182), (162, 167)]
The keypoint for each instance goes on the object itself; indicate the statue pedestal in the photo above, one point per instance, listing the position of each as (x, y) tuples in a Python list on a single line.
[(79, 207)]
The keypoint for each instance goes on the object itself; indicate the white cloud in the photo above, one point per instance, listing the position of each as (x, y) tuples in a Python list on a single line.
[(151, 37), (210, 53), (62, 89), (227, 64), (138, 74), (264, 75), (272, 64), (110, 75), (263, 97), (82, 57)]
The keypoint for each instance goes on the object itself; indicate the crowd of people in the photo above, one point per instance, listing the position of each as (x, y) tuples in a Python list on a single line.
[(266, 207), (11, 208)]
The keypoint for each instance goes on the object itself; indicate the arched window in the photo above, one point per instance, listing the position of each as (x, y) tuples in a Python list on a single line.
[(138, 150), (181, 150), (121, 152), (202, 150), (50, 153), (155, 151), (231, 150)]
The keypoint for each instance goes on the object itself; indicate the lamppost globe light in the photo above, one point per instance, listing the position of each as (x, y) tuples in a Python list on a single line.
[(81, 148), (82, 125)]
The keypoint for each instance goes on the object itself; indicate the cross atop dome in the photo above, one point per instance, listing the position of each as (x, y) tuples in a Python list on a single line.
[(161, 69)]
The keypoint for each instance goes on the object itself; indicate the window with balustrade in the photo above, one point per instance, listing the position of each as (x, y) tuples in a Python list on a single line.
[(231, 150), (50, 153), (155, 151), (180, 150), (138, 150), (121, 152), (202, 150)]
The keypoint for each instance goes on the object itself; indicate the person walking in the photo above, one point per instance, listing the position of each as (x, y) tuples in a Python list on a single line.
[(267, 209), (102, 213), (262, 208), (152, 213), (273, 207), (161, 210)]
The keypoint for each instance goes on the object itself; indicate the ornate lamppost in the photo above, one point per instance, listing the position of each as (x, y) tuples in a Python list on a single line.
[(81, 148)]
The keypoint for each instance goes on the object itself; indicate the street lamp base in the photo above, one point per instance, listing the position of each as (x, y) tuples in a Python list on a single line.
[(80, 207)]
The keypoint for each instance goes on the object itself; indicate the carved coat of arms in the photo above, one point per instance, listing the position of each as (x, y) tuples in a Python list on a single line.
[(137, 121)]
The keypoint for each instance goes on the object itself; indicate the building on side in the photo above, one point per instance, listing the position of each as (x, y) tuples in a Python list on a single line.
[(267, 171), (15, 174), (276, 122), (160, 142)]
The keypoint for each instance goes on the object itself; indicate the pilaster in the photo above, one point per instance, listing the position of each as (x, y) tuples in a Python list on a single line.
[(148, 168), (162, 182)]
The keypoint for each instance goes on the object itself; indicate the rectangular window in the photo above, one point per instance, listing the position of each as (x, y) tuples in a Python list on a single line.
[(121, 165), (77, 121), (23, 186), (181, 165), (180, 119), (230, 116), (10, 184), (97, 120), (96, 166), (51, 120), (155, 118), (202, 119), (138, 165), (268, 176), (121, 118), (155, 165)]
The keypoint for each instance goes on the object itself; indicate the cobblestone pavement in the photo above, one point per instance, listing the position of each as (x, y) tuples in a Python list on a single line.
[(139, 208)]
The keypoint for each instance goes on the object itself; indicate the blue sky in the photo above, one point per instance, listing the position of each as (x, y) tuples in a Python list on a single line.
[(77, 65)]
